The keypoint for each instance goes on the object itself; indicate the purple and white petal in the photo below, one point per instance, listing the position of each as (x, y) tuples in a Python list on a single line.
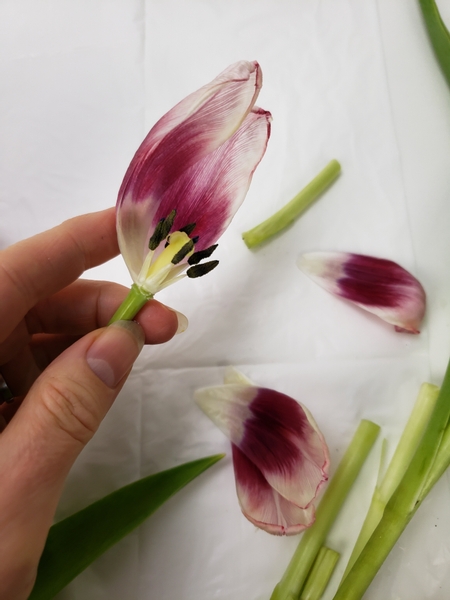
[(237, 88), (377, 285), (287, 448), (210, 192), (280, 458), (264, 506), (186, 145)]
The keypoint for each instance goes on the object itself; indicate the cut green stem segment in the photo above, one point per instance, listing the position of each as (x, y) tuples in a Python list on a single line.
[(409, 441), (293, 209), (132, 304), (337, 490), (439, 35), (320, 574), (430, 459), (74, 543), (441, 463)]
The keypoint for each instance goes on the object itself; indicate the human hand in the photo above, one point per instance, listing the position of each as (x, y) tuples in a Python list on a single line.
[(63, 372)]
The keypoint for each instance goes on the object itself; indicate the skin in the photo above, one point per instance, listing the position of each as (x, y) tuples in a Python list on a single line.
[(52, 324)]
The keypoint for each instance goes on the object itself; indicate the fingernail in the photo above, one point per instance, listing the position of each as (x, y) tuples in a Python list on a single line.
[(113, 353), (182, 321)]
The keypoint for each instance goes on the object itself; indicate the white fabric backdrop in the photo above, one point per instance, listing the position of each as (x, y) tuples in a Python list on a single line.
[(82, 82)]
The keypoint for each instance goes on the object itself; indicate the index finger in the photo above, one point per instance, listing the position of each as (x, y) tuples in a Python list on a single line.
[(46, 263)]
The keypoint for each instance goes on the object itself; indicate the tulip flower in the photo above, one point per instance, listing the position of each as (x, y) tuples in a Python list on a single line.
[(377, 285), (280, 458), (186, 181)]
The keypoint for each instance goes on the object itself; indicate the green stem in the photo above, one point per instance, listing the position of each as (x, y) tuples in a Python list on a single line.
[(320, 574), (293, 209), (409, 441), (440, 464), (131, 305), (313, 539), (439, 35), (403, 503)]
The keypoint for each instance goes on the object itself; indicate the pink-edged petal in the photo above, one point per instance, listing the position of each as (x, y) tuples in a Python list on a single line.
[(194, 128), (239, 84), (264, 506), (210, 192), (377, 285), (287, 448), (275, 433)]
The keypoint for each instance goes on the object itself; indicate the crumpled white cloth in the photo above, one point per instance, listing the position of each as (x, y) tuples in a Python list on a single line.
[(82, 84)]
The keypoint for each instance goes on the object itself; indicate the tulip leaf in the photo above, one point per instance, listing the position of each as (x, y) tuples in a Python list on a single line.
[(438, 33), (75, 542)]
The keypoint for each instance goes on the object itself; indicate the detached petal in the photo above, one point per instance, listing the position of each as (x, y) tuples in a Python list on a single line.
[(264, 506), (280, 457), (377, 285)]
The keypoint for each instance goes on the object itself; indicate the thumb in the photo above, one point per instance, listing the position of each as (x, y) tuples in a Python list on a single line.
[(61, 412), (69, 400), (67, 403)]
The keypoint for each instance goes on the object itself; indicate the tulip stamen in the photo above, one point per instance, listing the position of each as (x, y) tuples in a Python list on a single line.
[(202, 269), (156, 238), (195, 258), (178, 257), (162, 230), (167, 266), (188, 229)]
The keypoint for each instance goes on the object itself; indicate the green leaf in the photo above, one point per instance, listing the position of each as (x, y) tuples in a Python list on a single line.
[(439, 35), (74, 543)]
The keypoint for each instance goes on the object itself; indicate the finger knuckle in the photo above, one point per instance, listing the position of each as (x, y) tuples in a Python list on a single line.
[(72, 408)]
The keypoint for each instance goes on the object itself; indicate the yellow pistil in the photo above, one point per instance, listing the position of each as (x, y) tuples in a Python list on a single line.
[(176, 240)]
